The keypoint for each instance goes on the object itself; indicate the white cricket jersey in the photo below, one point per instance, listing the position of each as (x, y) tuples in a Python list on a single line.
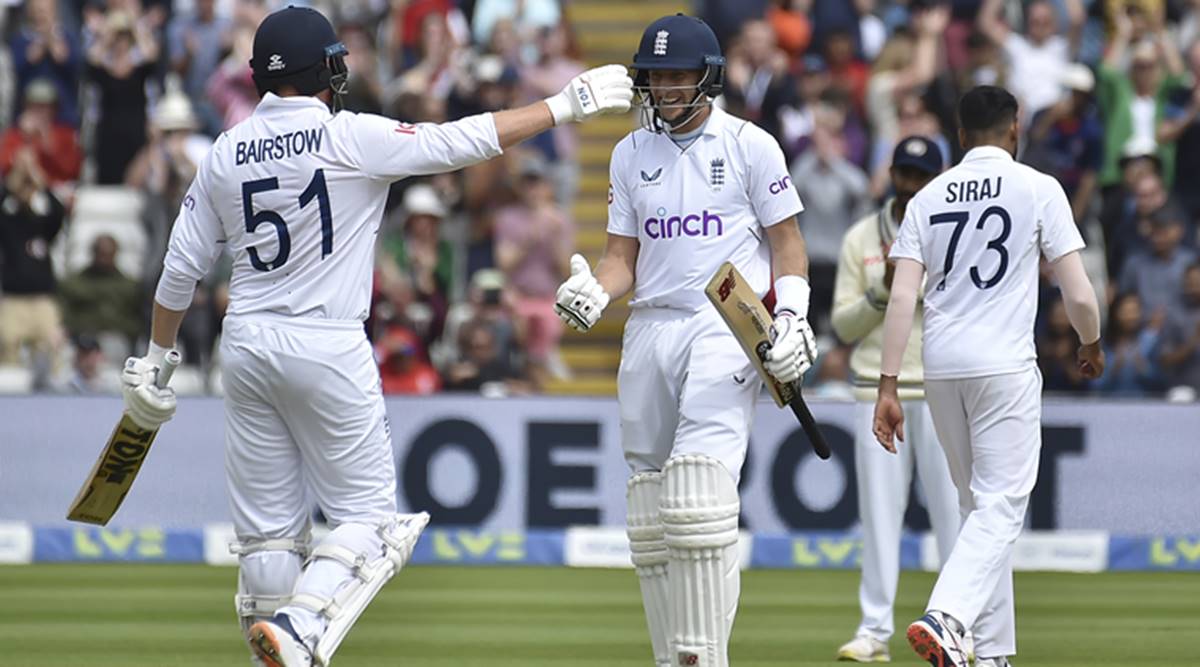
[(980, 229), (296, 194), (694, 207)]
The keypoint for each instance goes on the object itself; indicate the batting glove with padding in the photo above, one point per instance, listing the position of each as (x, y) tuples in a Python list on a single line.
[(581, 299), (793, 347), (148, 404), (605, 89)]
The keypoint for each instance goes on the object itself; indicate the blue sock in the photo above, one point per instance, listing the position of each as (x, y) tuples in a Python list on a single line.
[(284, 622)]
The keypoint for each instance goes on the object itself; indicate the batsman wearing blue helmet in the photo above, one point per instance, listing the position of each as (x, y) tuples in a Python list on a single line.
[(296, 195), (691, 189)]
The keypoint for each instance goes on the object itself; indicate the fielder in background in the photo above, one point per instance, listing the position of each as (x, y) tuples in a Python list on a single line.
[(864, 280), (695, 187), (977, 233), (296, 194)]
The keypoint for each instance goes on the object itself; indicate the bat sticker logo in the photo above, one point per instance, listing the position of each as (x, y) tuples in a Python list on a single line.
[(726, 287)]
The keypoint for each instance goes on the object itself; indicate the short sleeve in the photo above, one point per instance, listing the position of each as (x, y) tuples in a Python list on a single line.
[(390, 150), (1059, 233), (770, 189), (909, 244), (622, 220)]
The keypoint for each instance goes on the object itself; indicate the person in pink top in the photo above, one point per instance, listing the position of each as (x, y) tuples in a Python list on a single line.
[(533, 240), (556, 66)]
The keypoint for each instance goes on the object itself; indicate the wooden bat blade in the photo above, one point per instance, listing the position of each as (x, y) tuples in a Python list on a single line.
[(748, 319), (113, 473), (750, 323)]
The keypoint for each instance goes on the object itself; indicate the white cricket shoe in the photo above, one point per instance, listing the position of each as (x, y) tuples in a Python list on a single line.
[(277, 646), (993, 662), (864, 649), (934, 639)]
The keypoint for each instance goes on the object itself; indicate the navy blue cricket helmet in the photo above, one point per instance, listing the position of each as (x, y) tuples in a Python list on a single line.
[(298, 47), (678, 42)]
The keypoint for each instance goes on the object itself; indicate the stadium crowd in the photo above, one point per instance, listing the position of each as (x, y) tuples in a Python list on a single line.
[(107, 107)]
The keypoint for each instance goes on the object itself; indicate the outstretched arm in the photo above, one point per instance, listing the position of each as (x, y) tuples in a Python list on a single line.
[(1076, 18), (606, 89), (989, 22), (392, 150), (931, 26)]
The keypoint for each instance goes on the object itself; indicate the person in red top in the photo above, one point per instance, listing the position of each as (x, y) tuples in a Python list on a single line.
[(848, 72), (402, 366), (55, 144)]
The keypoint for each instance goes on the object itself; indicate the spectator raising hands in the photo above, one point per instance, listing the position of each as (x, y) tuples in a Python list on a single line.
[(120, 62)]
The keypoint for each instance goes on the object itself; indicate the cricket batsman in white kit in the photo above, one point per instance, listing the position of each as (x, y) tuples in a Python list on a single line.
[(977, 234), (296, 194), (692, 189), (860, 295)]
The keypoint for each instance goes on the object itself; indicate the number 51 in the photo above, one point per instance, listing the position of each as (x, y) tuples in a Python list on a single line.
[(316, 189)]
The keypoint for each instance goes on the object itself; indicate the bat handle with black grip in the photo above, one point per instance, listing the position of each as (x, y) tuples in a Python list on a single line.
[(800, 408), (809, 424)]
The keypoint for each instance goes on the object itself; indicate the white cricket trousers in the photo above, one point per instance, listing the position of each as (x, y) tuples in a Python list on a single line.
[(883, 483), (990, 428), (684, 387), (303, 406)]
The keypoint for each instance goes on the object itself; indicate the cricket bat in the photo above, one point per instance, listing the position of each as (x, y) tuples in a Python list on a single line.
[(750, 322), (112, 475)]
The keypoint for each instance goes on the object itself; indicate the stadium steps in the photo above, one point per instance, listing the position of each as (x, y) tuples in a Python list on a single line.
[(608, 32)]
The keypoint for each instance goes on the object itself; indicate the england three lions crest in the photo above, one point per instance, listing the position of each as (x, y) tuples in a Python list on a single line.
[(716, 173)]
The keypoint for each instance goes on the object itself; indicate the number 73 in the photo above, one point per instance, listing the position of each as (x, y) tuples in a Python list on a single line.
[(960, 219)]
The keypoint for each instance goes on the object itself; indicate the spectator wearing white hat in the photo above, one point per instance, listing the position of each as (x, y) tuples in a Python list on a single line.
[(1037, 55), (169, 161), (162, 171), (414, 253)]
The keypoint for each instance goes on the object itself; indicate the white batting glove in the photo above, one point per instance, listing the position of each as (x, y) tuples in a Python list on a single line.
[(580, 299), (148, 404), (793, 348), (605, 89)]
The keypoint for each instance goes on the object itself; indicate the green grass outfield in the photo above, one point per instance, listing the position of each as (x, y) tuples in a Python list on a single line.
[(181, 615)]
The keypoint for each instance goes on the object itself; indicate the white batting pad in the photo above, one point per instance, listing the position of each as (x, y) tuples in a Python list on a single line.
[(648, 551), (363, 574), (267, 571), (699, 509)]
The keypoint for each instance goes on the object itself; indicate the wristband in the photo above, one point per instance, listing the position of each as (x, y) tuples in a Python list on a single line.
[(791, 294), (560, 109), (156, 353)]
